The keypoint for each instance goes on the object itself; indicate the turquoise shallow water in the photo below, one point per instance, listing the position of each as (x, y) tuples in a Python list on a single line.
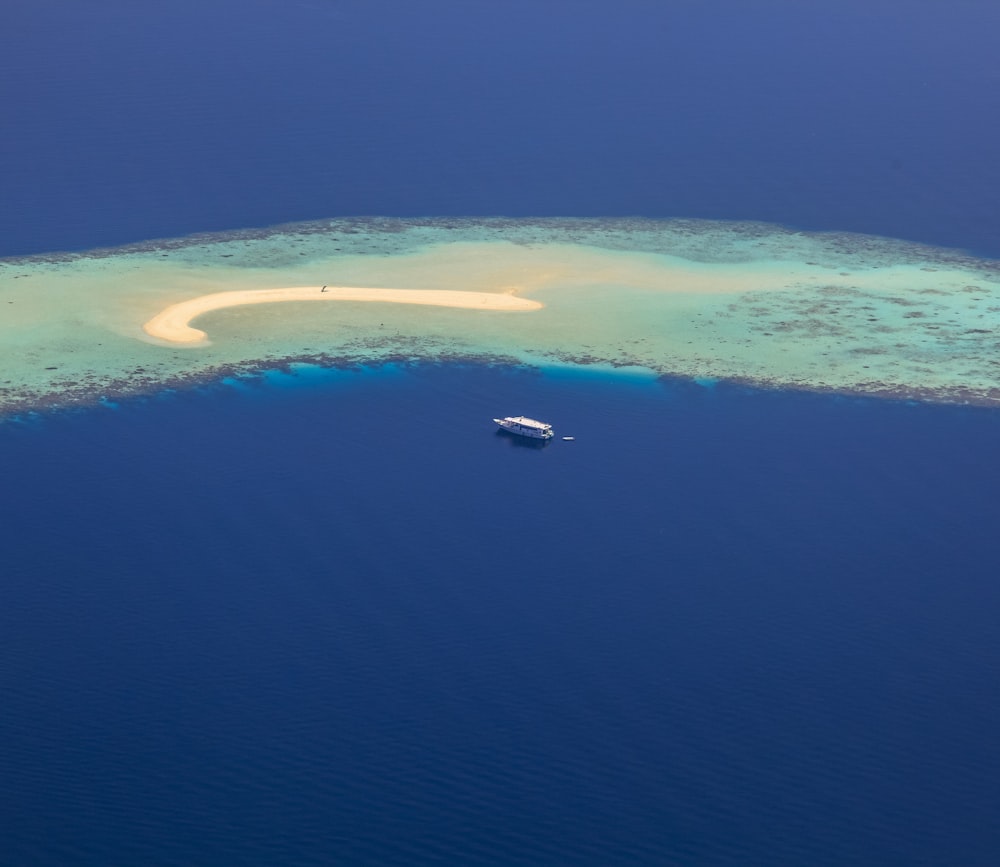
[(724, 300), (334, 617)]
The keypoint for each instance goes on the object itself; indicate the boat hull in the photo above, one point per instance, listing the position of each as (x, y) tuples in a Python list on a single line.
[(525, 427)]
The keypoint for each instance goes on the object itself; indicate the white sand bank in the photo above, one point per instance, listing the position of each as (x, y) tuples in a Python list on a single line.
[(172, 323)]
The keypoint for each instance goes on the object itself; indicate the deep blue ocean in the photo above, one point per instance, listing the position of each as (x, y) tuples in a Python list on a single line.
[(335, 618), (124, 121)]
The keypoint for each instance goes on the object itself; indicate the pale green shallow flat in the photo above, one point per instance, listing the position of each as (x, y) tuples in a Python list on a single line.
[(734, 301)]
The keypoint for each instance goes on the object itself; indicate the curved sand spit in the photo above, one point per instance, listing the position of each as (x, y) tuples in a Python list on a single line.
[(172, 323)]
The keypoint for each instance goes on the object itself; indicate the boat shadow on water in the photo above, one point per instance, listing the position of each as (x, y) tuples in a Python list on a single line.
[(522, 442)]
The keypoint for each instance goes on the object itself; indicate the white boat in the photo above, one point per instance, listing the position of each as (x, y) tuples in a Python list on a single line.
[(525, 427)]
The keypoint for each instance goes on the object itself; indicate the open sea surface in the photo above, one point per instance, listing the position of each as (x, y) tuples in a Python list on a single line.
[(334, 617)]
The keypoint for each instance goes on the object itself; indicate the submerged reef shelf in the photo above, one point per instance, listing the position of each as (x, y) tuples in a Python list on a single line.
[(742, 302)]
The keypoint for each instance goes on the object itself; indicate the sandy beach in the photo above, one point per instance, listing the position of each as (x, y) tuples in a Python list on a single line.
[(172, 323)]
